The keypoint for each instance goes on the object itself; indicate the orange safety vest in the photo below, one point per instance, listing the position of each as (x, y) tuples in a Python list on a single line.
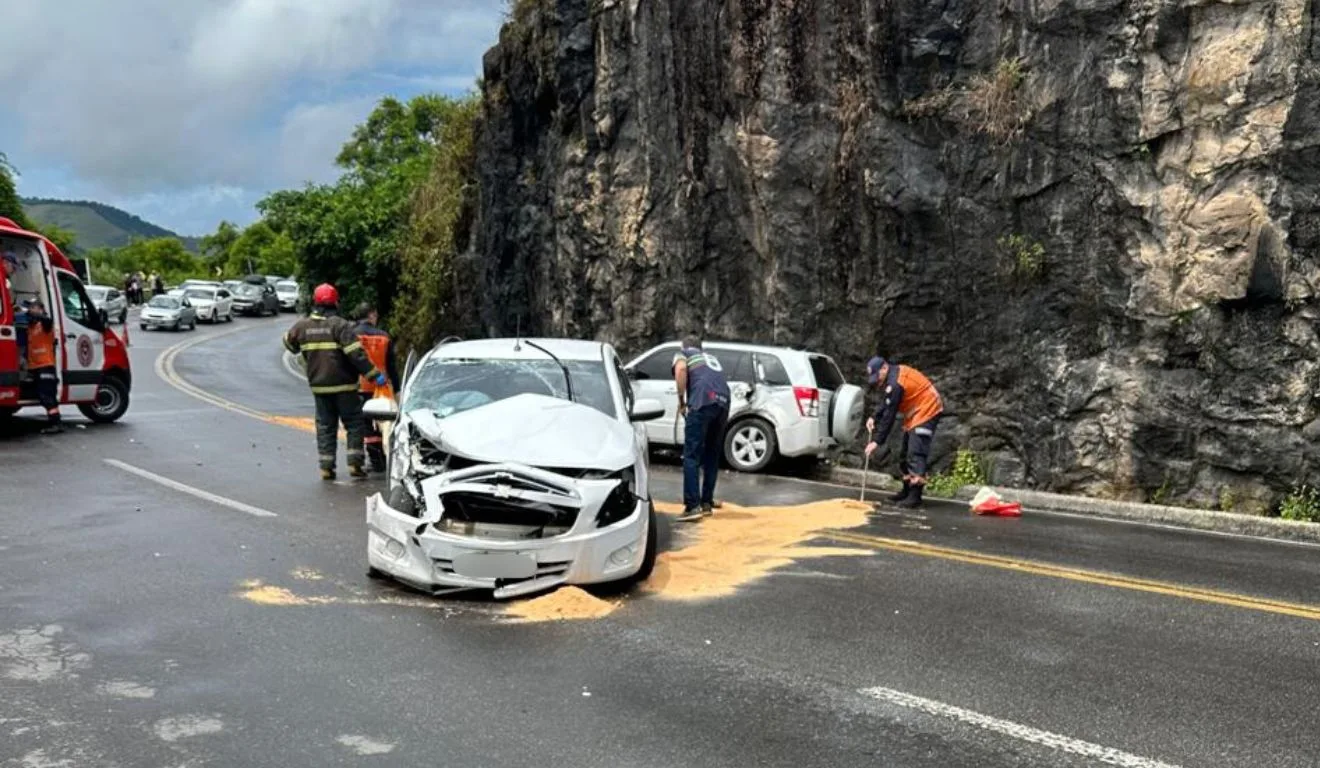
[(40, 346), (921, 402), (377, 347)]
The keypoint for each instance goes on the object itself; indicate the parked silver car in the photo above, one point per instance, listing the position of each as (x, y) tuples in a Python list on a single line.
[(111, 300), (786, 402), (172, 312)]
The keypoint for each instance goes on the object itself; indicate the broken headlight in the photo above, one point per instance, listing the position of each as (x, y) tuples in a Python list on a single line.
[(621, 502)]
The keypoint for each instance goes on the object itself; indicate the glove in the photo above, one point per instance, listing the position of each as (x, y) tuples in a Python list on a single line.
[(380, 379)]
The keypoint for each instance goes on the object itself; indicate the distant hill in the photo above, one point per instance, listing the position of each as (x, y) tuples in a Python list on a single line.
[(97, 224)]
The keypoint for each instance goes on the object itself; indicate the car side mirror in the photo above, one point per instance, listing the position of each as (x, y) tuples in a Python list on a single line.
[(105, 317), (380, 409), (631, 373), (647, 410)]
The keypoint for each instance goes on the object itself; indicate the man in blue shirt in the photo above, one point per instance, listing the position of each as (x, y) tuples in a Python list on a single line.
[(703, 399)]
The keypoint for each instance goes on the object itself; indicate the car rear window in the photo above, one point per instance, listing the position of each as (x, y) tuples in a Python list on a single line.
[(826, 372)]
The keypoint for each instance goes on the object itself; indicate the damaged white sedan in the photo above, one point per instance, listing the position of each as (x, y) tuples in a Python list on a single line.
[(514, 466)]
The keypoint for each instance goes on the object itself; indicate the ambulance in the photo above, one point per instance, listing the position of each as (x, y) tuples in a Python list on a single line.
[(92, 360)]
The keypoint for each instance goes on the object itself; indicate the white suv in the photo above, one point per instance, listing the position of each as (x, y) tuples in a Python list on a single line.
[(786, 402)]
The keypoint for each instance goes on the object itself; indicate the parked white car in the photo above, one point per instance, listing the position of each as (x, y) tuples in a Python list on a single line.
[(213, 305), (112, 300), (515, 466), (287, 291), (786, 402)]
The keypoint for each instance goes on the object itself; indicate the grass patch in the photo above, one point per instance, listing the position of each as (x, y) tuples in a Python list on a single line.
[(968, 469), (1303, 503)]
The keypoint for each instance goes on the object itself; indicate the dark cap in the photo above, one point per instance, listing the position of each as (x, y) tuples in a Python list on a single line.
[(873, 367)]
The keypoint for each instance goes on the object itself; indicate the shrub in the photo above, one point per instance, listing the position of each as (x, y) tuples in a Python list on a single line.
[(1022, 257), (993, 103), (968, 469), (1302, 504)]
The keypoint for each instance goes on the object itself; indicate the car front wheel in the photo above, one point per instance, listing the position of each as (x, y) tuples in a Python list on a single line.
[(750, 445)]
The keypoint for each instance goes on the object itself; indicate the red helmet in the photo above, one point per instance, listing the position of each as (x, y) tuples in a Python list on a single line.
[(325, 295)]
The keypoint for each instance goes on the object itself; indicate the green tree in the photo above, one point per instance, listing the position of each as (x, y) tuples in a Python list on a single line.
[(352, 232), (438, 230), (11, 207), (165, 255), (216, 247)]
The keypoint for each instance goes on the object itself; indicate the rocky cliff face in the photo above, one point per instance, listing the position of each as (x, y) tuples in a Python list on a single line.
[(1092, 222)]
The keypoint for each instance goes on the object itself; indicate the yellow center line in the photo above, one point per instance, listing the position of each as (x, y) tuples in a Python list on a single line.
[(1076, 574)]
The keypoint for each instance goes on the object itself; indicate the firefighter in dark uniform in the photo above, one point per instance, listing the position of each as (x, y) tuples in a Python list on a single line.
[(905, 390), (335, 359), (703, 401), (380, 350), (41, 364)]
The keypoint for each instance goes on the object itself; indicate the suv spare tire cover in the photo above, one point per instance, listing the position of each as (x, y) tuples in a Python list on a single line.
[(846, 413)]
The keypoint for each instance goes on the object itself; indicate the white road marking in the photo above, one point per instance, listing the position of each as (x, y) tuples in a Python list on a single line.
[(292, 368), (186, 726), (365, 746), (191, 491), (1026, 733)]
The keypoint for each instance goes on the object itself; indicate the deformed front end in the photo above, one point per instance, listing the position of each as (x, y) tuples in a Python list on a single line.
[(508, 527)]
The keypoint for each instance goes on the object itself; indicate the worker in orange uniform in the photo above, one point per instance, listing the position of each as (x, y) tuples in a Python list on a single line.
[(41, 364), (905, 390), (379, 347)]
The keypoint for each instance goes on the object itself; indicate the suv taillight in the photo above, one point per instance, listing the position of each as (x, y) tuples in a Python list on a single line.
[(808, 401)]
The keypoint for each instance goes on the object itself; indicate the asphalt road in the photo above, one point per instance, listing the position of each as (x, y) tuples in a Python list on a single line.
[(959, 641)]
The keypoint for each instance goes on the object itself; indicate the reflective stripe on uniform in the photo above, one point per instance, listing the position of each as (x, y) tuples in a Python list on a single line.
[(335, 389), (355, 346), (313, 346)]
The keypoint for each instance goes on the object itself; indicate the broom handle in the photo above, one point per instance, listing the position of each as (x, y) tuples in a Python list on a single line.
[(866, 468)]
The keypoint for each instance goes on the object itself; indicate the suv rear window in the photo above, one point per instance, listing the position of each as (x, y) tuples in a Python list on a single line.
[(826, 372)]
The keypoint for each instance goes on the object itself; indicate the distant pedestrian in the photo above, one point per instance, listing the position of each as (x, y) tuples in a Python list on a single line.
[(157, 284), (905, 390), (703, 399)]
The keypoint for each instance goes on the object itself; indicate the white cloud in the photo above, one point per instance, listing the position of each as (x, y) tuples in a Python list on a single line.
[(184, 97), (313, 133)]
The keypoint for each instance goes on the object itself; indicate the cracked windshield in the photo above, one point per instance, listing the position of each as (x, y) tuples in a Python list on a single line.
[(783, 383)]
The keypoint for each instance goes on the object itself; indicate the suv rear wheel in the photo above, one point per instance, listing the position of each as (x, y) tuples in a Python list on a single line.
[(750, 445)]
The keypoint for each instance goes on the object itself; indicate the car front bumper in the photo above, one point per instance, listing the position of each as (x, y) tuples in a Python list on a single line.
[(160, 322), (437, 561), (289, 303)]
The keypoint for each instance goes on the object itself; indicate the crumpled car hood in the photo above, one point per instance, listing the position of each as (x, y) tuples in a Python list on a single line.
[(536, 430)]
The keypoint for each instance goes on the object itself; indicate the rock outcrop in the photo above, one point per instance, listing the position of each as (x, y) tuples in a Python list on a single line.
[(1093, 223)]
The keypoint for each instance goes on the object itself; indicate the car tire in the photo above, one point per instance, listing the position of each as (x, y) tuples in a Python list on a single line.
[(376, 574), (6, 413), (111, 401), (192, 324), (143, 326), (750, 445), (652, 547)]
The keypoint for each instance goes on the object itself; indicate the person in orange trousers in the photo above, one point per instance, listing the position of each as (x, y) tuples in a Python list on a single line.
[(379, 347), (905, 391)]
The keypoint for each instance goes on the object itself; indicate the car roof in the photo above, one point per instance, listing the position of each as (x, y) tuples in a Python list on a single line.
[(743, 346), (504, 349)]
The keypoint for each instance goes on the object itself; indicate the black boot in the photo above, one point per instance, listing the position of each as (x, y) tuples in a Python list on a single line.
[(913, 499), (902, 494)]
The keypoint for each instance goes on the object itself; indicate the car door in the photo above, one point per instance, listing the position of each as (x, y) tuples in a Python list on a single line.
[(653, 379), (737, 367), (224, 304), (81, 338)]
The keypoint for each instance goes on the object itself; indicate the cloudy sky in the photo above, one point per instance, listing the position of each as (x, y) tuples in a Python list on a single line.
[(186, 112)]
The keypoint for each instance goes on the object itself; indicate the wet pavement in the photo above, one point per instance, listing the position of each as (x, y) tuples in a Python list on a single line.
[(125, 639)]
